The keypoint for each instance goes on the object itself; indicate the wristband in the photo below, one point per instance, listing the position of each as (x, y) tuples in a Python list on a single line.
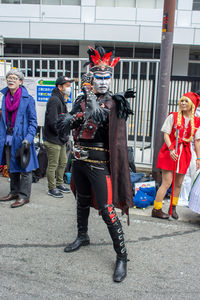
[(198, 158), (171, 148)]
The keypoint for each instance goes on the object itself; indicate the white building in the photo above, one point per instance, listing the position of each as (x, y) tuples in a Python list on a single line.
[(57, 28)]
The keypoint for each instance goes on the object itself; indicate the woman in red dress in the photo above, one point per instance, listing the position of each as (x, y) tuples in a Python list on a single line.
[(189, 125)]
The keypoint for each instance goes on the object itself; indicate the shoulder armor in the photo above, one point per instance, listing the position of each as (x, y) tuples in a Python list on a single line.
[(123, 106)]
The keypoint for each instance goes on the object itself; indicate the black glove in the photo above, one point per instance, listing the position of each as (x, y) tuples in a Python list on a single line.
[(63, 124), (87, 78), (86, 83), (93, 110), (129, 93)]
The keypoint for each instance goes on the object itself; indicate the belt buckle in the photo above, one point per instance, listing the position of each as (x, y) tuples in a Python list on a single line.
[(80, 154)]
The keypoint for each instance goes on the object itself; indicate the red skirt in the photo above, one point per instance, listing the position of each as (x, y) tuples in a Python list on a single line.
[(165, 162)]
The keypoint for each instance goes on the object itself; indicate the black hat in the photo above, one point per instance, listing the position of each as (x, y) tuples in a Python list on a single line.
[(63, 79), (23, 155)]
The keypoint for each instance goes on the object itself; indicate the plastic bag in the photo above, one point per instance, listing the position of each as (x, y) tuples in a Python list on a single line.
[(135, 177)]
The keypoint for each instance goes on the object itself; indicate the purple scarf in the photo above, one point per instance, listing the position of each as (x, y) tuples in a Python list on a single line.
[(12, 107)]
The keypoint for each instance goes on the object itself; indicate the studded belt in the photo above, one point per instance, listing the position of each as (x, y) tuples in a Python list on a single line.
[(91, 154)]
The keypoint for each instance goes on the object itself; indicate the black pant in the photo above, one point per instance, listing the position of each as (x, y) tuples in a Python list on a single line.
[(89, 176), (96, 176)]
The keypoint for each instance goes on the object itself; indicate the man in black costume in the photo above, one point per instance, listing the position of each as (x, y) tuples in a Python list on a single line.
[(100, 171)]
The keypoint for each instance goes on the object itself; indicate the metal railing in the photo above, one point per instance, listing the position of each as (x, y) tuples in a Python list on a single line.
[(139, 74)]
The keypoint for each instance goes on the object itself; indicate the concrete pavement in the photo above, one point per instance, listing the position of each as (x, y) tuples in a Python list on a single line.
[(164, 255)]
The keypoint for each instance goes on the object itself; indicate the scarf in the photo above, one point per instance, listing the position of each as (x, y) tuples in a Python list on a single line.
[(12, 107)]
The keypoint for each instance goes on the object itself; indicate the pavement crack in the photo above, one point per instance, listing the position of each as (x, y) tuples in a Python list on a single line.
[(140, 239), (31, 246), (163, 236)]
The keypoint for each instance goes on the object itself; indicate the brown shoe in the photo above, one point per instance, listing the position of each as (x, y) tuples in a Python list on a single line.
[(9, 197), (174, 213), (19, 202), (158, 213)]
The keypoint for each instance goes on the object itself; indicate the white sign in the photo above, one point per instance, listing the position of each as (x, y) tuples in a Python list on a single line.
[(145, 184)]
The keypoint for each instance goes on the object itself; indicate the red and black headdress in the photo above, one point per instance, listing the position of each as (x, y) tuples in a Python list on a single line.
[(100, 60)]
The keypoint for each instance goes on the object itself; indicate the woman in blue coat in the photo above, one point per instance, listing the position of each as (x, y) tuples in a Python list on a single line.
[(18, 126)]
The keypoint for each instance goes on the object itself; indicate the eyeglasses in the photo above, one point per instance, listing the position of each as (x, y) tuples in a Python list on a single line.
[(12, 78)]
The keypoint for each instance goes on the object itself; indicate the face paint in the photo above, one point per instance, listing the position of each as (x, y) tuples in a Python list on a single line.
[(102, 82)]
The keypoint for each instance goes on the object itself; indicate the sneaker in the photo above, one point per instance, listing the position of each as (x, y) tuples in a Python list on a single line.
[(55, 193), (62, 188)]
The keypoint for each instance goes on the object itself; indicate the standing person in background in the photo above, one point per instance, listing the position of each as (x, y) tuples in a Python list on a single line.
[(100, 171), (17, 130), (191, 171), (56, 145), (189, 125)]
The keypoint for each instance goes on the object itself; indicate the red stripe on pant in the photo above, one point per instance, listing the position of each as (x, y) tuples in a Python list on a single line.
[(109, 199)]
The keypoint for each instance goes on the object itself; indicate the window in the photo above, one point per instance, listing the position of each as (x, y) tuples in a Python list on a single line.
[(30, 49), (50, 2), (71, 2), (124, 52), (69, 50), (110, 3), (156, 53), (143, 53), (60, 2), (30, 1), (50, 49), (194, 54), (116, 3), (10, 1), (47, 2), (12, 48), (193, 69), (196, 5), (21, 1)]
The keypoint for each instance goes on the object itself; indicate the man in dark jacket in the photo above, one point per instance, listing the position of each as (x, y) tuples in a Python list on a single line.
[(56, 145)]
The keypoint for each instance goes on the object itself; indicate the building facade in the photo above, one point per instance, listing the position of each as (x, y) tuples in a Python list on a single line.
[(64, 28)]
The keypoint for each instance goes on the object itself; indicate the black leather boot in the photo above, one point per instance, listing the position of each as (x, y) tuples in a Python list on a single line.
[(117, 236), (174, 213), (120, 269), (82, 224), (81, 240)]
